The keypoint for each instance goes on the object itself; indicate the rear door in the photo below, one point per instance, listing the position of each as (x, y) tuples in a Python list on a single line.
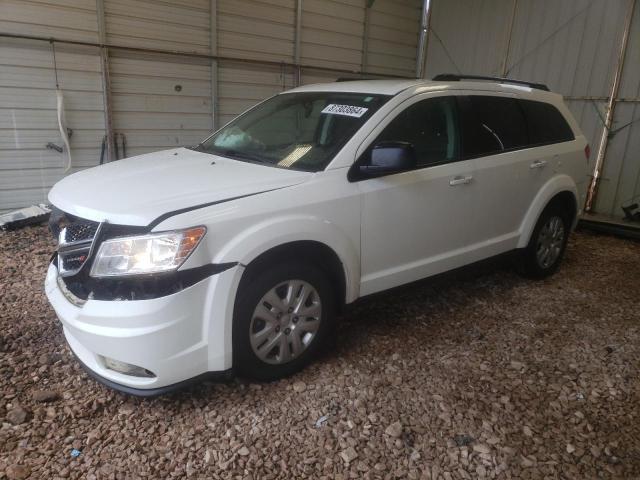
[(508, 174), (554, 143)]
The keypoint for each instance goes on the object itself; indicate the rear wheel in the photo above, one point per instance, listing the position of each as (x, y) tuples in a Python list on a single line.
[(542, 256), (282, 317)]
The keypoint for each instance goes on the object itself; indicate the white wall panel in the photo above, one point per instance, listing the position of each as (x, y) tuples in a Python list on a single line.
[(28, 119), (28, 116), (241, 86), (160, 102), (157, 24), (393, 37), (332, 33), (70, 19), (256, 30), (468, 36)]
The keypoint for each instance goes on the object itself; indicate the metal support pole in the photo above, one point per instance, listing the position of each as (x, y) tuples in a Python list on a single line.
[(505, 60), (615, 85), (365, 36), (296, 45), (213, 47), (423, 43), (106, 84)]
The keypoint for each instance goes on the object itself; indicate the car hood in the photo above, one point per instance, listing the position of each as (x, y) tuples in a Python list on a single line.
[(138, 190)]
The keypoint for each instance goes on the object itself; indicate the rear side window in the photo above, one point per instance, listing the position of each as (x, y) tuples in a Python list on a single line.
[(492, 125), (546, 124)]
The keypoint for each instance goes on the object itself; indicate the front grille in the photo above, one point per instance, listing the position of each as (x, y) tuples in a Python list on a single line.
[(74, 244), (81, 230)]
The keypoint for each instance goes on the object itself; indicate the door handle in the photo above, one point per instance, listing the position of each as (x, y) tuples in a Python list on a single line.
[(538, 164), (460, 180)]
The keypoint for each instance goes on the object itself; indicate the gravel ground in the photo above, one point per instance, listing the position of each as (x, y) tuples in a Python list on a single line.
[(477, 374)]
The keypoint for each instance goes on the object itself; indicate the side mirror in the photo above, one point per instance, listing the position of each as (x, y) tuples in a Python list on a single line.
[(389, 157)]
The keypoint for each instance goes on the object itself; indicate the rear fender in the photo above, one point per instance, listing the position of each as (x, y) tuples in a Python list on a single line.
[(558, 184)]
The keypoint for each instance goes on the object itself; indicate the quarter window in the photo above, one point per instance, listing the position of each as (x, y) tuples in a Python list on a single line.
[(430, 126), (546, 123)]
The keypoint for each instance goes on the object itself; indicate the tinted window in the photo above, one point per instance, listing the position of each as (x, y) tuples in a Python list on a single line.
[(493, 124), (546, 123), (430, 126), (476, 140)]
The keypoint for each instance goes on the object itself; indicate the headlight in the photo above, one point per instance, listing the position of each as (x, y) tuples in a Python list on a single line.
[(153, 253)]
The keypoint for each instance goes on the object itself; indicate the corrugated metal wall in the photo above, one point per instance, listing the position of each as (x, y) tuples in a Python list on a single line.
[(393, 37), (160, 101), (253, 30), (467, 36), (570, 46), (621, 173), (332, 33), (28, 118)]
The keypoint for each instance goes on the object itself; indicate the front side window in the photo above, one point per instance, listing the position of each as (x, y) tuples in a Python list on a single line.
[(301, 131), (430, 126)]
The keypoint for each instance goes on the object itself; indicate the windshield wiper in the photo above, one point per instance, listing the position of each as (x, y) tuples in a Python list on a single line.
[(196, 148), (229, 152)]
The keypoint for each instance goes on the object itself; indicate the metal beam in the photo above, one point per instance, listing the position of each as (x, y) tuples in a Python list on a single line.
[(365, 35), (184, 54), (505, 60), (615, 85), (297, 43), (213, 49), (587, 98), (423, 43), (106, 84)]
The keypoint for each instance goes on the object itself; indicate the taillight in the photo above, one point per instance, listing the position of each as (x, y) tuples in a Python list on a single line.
[(587, 152)]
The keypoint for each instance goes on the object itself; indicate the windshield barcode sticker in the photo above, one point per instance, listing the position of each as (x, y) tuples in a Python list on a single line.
[(348, 110)]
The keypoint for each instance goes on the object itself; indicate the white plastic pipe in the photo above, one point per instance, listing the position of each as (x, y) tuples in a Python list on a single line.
[(62, 125)]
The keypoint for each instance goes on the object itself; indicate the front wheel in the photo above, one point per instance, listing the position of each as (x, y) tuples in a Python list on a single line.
[(282, 317), (542, 256)]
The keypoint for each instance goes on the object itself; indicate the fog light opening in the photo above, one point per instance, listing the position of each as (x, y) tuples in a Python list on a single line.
[(126, 368)]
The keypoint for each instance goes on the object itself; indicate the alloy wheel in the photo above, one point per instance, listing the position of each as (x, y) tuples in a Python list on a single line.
[(285, 322), (550, 241)]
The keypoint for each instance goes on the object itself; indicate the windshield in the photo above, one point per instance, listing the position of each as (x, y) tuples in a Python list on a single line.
[(301, 131)]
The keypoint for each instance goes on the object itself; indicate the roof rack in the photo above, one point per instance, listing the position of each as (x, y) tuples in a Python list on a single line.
[(385, 77), (354, 79), (453, 77)]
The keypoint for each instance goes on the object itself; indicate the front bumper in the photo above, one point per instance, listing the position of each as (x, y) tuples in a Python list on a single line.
[(178, 337), (154, 392)]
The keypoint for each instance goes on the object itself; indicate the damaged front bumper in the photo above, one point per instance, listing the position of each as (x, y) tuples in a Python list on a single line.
[(175, 338)]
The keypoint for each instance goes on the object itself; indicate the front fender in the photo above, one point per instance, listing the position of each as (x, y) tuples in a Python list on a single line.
[(262, 237), (558, 184)]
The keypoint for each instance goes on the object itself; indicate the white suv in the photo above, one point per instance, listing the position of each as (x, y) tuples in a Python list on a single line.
[(239, 252)]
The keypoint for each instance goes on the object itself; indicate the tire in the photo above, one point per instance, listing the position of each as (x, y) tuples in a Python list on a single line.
[(272, 342), (542, 256)]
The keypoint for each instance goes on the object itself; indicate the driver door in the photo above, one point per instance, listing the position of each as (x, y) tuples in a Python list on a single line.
[(420, 222)]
